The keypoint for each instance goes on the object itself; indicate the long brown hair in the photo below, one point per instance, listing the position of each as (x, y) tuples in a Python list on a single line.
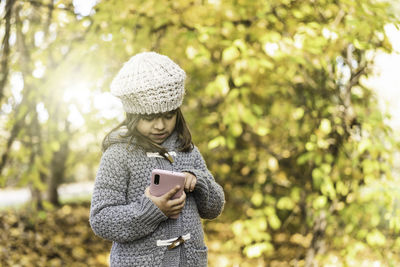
[(131, 121)]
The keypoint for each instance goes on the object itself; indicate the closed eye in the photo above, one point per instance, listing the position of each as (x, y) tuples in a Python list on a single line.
[(169, 116), (148, 117)]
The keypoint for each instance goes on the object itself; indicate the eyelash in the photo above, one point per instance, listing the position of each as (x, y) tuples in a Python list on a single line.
[(168, 117)]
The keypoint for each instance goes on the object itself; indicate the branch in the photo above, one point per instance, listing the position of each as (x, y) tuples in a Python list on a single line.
[(68, 8), (20, 119), (18, 125), (5, 48), (317, 242), (48, 20), (338, 19)]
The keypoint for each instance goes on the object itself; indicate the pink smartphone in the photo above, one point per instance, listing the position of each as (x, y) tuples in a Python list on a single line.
[(162, 181)]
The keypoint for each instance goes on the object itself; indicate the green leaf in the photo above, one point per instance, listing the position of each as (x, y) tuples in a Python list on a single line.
[(230, 54), (376, 238), (320, 202), (216, 142), (285, 203)]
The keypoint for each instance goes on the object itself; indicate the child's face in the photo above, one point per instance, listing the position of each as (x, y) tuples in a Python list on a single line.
[(157, 127)]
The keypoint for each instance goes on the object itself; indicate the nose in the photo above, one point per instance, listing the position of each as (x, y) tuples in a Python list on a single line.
[(159, 124)]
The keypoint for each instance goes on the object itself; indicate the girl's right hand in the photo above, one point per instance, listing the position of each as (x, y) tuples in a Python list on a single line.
[(170, 207)]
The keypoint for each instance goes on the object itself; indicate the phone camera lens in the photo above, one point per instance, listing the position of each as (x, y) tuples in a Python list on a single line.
[(156, 179)]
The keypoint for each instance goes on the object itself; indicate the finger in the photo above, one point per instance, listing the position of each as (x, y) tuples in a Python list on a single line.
[(183, 196), (180, 207), (177, 201), (177, 208), (188, 182), (147, 192), (176, 211), (171, 193), (192, 185)]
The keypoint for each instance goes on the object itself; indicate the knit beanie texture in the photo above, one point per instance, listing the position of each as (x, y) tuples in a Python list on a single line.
[(149, 83)]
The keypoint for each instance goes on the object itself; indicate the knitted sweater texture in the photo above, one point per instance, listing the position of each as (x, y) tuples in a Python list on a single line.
[(120, 211)]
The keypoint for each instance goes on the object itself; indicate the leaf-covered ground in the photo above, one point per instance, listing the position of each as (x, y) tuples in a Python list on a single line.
[(62, 237)]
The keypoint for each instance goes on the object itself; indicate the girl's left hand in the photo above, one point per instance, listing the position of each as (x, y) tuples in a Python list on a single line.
[(190, 181)]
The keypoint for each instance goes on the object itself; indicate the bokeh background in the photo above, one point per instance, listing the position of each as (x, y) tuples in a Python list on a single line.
[(284, 99)]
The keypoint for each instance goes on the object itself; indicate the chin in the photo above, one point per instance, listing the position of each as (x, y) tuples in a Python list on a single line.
[(158, 142)]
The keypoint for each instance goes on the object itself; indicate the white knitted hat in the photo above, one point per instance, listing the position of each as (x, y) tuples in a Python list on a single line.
[(149, 83)]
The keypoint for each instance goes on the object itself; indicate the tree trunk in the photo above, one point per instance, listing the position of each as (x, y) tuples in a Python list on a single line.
[(57, 174), (5, 47), (318, 241), (36, 198), (58, 167)]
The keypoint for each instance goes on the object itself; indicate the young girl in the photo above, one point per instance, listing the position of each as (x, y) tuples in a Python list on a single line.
[(154, 135)]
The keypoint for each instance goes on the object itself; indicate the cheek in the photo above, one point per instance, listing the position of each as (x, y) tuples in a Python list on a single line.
[(172, 124), (142, 127)]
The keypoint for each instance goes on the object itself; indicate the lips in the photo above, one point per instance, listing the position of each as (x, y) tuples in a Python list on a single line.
[(160, 136)]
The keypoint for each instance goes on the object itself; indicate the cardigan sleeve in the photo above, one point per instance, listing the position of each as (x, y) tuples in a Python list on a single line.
[(209, 195), (111, 217)]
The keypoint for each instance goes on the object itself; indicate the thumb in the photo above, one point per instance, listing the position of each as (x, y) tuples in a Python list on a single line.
[(147, 192), (172, 192)]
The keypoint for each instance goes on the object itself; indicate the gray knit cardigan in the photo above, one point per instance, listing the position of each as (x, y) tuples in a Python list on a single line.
[(120, 211)]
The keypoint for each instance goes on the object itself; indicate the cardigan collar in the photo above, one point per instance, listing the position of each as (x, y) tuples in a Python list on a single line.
[(171, 142)]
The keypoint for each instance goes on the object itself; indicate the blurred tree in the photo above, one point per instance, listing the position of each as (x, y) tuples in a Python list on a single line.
[(38, 40)]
